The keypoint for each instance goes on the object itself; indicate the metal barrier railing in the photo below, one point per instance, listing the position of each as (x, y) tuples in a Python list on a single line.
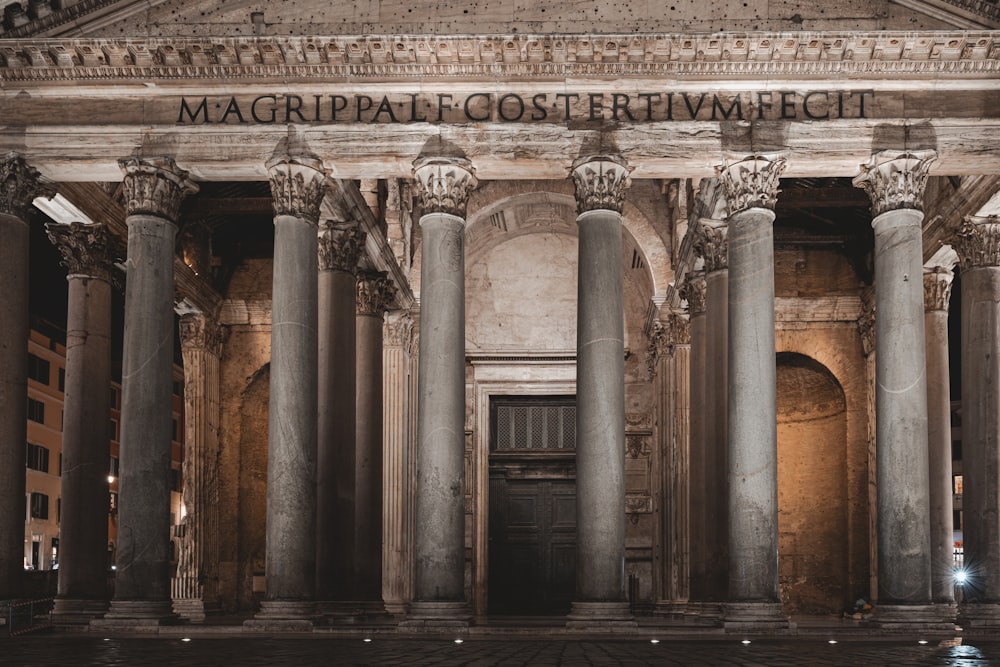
[(24, 616)]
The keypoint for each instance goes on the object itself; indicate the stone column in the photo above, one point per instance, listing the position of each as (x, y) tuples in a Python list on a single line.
[(937, 291), (154, 189), (866, 334), (397, 481), (895, 181), (374, 294), (601, 182), (439, 596), (88, 254), (340, 245), (751, 190), (978, 247), (196, 584), (21, 184), (298, 185)]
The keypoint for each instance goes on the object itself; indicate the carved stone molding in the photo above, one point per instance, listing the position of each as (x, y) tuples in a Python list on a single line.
[(20, 183), (155, 186), (977, 242), (444, 184), (751, 182), (601, 182), (298, 185), (895, 179), (340, 245), (693, 291), (712, 244), (638, 446), (937, 288), (398, 331), (866, 321), (375, 293), (200, 332), (87, 250)]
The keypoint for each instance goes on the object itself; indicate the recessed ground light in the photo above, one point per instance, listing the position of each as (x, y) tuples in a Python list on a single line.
[(458, 641), (654, 641), (368, 640), (745, 642), (922, 642), (185, 639), (832, 641)]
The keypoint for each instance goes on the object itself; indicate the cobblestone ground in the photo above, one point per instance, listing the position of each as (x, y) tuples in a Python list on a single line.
[(39, 651)]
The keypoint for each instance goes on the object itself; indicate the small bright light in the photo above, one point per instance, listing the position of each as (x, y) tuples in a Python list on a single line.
[(114, 567), (745, 642), (458, 641), (832, 641), (922, 642), (185, 639), (367, 640), (654, 641), (107, 639), (111, 480), (961, 576)]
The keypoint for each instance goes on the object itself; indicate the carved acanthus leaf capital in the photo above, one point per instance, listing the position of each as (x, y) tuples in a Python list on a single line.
[(444, 184), (977, 242), (86, 249), (895, 179), (937, 288), (20, 183), (664, 336), (375, 292), (340, 246), (751, 182), (199, 332), (866, 321), (601, 182), (693, 291), (298, 185), (398, 331), (155, 186), (712, 244)]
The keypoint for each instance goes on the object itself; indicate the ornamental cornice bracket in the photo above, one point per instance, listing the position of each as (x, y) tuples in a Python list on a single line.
[(298, 185), (20, 184), (155, 186), (895, 179), (751, 182), (600, 182), (977, 242), (444, 184)]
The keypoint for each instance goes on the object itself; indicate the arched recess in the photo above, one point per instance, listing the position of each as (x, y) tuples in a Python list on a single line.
[(252, 497), (813, 506)]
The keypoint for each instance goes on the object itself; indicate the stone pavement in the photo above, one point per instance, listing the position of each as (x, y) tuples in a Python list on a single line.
[(94, 651)]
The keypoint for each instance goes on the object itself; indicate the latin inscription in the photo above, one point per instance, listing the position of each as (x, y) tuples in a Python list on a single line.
[(637, 107)]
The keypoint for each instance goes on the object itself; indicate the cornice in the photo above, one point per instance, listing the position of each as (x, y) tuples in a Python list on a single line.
[(736, 55)]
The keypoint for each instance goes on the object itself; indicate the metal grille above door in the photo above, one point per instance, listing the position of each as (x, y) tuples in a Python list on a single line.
[(528, 424)]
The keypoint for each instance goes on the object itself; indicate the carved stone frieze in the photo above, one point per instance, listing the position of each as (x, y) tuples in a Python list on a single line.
[(368, 56), (340, 245), (712, 244), (154, 186), (398, 331), (444, 184), (86, 249), (866, 321), (977, 241), (20, 183), (638, 446), (200, 332), (375, 293), (895, 179), (298, 185), (693, 291), (751, 182), (601, 182), (937, 288)]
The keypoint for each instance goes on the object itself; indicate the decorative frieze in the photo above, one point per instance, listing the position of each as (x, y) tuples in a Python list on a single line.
[(601, 182), (937, 288), (340, 246), (86, 249), (712, 244), (444, 184), (298, 185), (154, 186), (895, 179), (977, 242), (693, 291), (21, 183), (751, 182), (375, 293)]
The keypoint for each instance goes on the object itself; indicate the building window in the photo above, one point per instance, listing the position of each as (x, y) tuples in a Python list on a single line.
[(39, 506), (62, 379), (958, 485), (58, 513), (36, 411), (37, 457), (38, 369)]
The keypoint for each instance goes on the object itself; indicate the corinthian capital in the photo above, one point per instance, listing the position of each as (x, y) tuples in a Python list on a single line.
[(298, 185), (398, 330), (87, 250), (201, 332), (154, 186), (751, 182), (712, 244), (601, 182), (20, 183), (444, 184), (340, 245), (937, 288), (977, 242), (895, 179), (375, 293), (693, 291)]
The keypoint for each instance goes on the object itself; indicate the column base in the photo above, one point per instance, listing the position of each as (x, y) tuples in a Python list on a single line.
[(283, 616), (979, 616), (910, 618), (339, 612), (136, 616), (601, 617), (76, 614), (703, 613), (753, 617), (190, 609), (436, 616)]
